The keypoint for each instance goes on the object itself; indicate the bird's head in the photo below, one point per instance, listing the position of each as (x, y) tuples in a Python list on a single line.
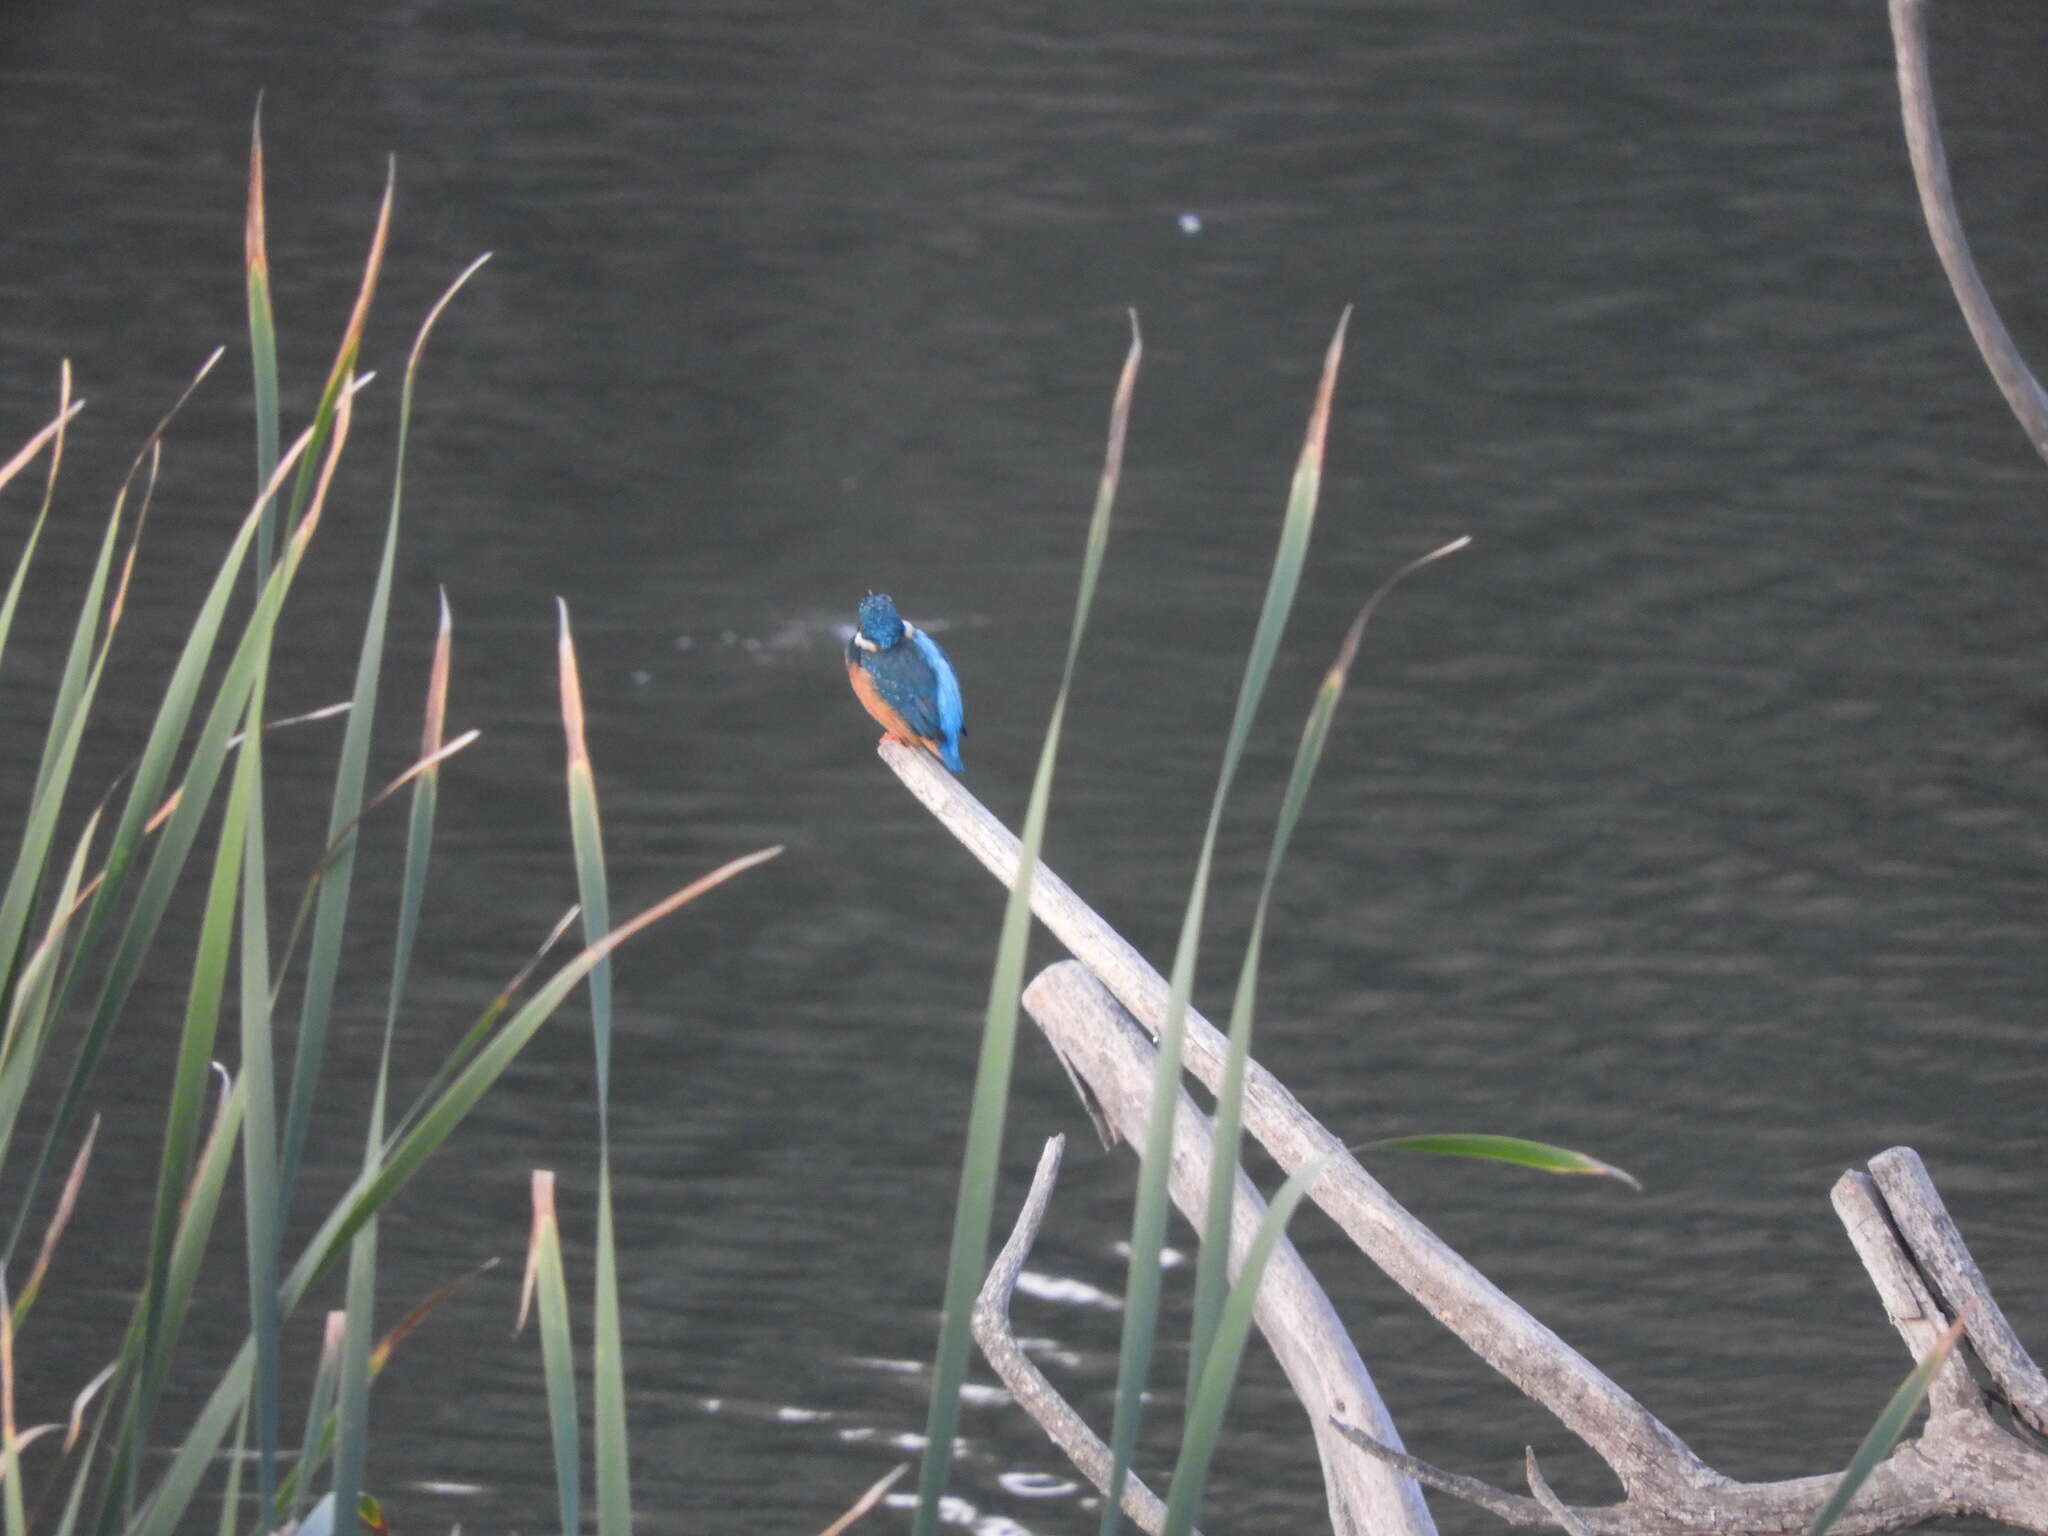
[(879, 625)]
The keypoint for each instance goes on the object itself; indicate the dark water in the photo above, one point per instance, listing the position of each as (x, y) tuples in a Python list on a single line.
[(1694, 817)]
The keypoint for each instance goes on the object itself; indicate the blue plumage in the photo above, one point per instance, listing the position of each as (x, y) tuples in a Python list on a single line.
[(904, 680)]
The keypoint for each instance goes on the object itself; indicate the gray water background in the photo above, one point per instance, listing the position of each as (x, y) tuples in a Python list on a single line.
[(1693, 817)]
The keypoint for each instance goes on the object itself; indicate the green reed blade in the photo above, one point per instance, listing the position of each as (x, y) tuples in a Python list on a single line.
[(353, 1405), (481, 1028), (263, 1191), (557, 1350), (368, 1195), (608, 1365), (136, 931), (169, 1501), (260, 1189), (29, 1013), (262, 350), (71, 708), (50, 434), (231, 1494), (1148, 1219), (433, 1125), (16, 1513), (323, 958), (1209, 1266), (609, 1439), (975, 1203), (1226, 1352), (1891, 1424), (173, 1300), (159, 1323), (320, 1405), (341, 376), (1505, 1149), (237, 691)]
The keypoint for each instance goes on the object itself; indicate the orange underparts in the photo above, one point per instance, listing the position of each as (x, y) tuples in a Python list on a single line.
[(893, 724)]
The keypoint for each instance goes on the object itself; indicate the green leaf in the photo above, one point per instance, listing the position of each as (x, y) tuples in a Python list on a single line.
[(1226, 1352), (975, 1204), (1148, 1218), (1505, 1149), (1891, 1424), (558, 1351), (1209, 1266), (608, 1367)]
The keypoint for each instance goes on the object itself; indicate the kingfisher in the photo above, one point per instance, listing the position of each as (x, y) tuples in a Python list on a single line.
[(903, 679)]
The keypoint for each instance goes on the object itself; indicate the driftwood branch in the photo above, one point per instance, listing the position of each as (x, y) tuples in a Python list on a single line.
[(1020, 1373), (1100, 1014), (2016, 381), (1643, 1453), (1106, 1048)]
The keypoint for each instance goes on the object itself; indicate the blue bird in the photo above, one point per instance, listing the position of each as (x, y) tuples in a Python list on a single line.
[(903, 679)]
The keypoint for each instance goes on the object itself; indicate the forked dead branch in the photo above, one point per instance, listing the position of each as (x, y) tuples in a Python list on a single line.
[(1100, 1011)]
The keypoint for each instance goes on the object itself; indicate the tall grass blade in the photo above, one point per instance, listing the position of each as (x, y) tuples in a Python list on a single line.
[(558, 1351), (1891, 1424), (1209, 1266), (236, 689), (25, 455), (28, 1017), (318, 1449), (262, 349), (341, 376), (482, 1027), (166, 1306), (169, 1501), (231, 1495), (77, 687), (1505, 1149), (608, 1362), (1226, 1353), (353, 1403), (291, 1498), (609, 1442), (264, 1193), (323, 959), (402, 1159), (261, 1201), (159, 1323), (1148, 1219), (136, 932), (52, 435), (67, 1203), (432, 1126), (876, 1492), (975, 1203), (10, 1441)]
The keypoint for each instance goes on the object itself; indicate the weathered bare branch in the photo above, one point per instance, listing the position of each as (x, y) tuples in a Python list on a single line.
[(1643, 1453), (1114, 1056), (1937, 1247), (1511, 1507), (2021, 389), (1965, 1463), (1540, 1486), (1020, 1373), (1909, 1304)]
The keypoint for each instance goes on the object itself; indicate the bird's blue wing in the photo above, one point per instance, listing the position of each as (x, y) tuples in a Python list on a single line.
[(946, 697)]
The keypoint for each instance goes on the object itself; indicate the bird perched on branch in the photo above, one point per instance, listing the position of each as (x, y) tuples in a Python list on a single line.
[(903, 679)]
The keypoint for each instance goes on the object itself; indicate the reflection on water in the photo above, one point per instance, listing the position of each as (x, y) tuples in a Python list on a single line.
[(1694, 816)]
